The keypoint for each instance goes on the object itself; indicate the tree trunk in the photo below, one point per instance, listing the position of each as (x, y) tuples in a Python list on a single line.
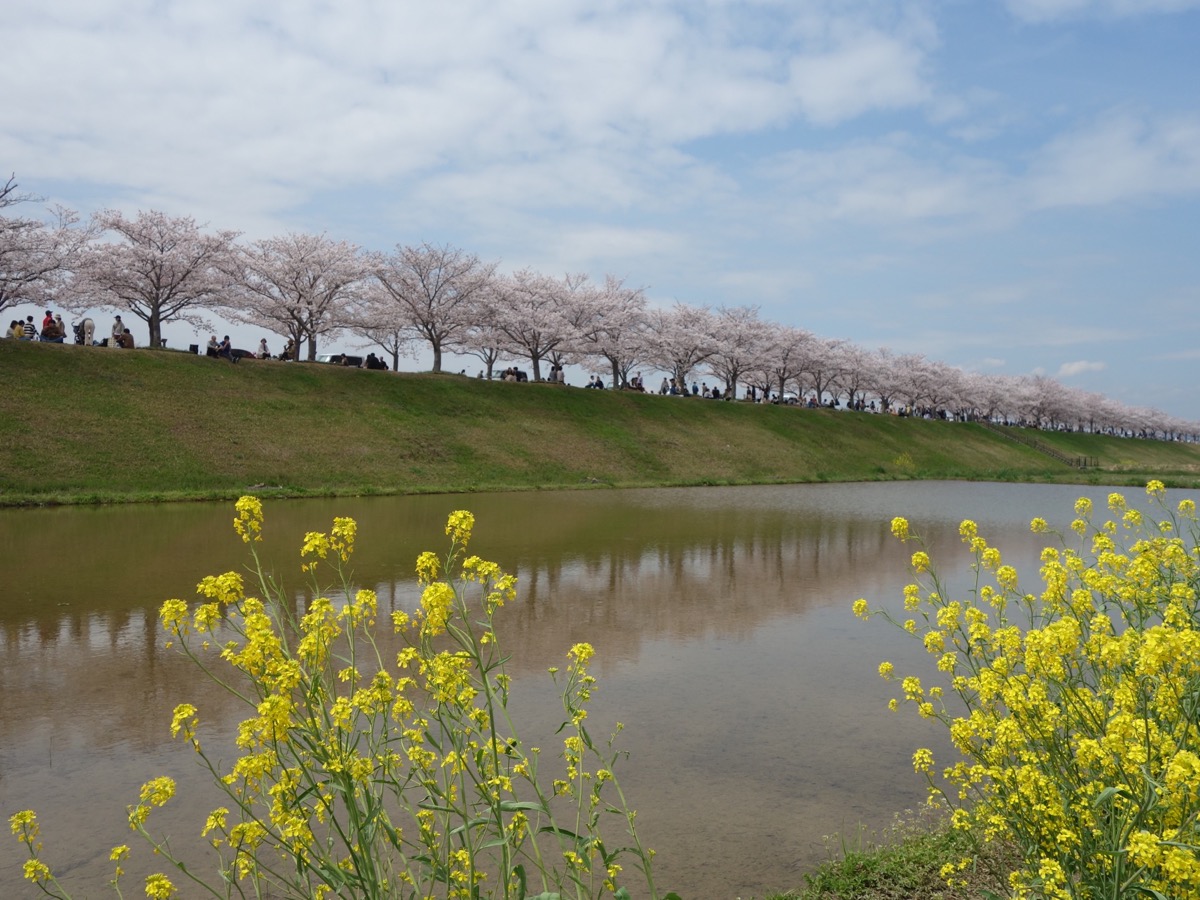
[(437, 357), (155, 323)]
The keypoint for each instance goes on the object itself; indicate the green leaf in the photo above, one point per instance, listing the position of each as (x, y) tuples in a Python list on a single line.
[(1106, 795), (561, 832), (515, 805), (473, 823)]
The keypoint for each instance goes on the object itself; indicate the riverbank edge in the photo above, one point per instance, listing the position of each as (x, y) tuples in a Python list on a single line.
[(277, 492)]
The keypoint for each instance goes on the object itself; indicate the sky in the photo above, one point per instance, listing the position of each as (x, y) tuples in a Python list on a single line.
[(1011, 187)]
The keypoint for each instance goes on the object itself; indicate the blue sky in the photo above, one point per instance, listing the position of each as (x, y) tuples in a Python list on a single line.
[(1011, 187)]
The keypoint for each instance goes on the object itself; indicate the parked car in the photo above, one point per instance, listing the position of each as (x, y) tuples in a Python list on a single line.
[(336, 359)]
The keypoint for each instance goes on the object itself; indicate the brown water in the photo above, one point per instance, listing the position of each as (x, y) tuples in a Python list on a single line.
[(753, 714)]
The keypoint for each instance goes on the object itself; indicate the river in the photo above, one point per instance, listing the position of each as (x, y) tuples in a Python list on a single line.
[(754, 717)]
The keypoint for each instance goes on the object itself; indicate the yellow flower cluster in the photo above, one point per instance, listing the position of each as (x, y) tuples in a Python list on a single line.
[(249, 520), (1079, 715), (373, 781)]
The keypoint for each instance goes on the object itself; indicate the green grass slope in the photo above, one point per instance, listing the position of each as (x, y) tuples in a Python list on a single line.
[(87, 424)]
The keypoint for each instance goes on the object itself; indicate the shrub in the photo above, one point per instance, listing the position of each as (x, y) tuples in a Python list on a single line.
[(1079, 724)]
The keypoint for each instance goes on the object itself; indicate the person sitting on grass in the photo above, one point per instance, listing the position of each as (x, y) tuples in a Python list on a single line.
[(53, 332), (225, 350)]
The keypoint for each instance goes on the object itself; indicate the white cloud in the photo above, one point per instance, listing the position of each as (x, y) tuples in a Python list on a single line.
[(1066, 370), (903, 180), (894, 180), (870, 71), (306, 94), (1120, 157)]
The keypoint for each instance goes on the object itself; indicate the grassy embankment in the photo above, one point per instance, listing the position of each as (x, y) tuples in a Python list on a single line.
[(93, 425)]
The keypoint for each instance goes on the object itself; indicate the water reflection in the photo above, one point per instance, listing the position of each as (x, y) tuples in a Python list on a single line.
[(753, 713)]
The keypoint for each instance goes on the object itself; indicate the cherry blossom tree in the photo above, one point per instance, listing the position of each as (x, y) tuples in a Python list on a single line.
[(433, 290), (944, 390), (610, 324), (527, 316), (783, 359), (36, 257), (741, 340), (881, 379), (373, 318), (302, 284), (577, 307), (823, 366), (483, 338), (159, 268), (679, 339), (1039, 397), (853, 374)]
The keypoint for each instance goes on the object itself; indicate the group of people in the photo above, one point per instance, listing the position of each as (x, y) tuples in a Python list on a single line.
[(224, 348), (672, 387), (54, 331)]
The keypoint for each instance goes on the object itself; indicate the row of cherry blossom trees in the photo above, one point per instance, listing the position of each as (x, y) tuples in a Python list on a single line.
[(310, 287)]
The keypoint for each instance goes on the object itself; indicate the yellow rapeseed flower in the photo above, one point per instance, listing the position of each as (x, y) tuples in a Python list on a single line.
[(459, 526), (923, 760), (428, 567), (900, 528), (184, 718), (249, 519), (174, 617), (581, 653), (157, 791), (35, 870), (316, 543), (159, 887), (341, 540), (437, 600), (227, 588)]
